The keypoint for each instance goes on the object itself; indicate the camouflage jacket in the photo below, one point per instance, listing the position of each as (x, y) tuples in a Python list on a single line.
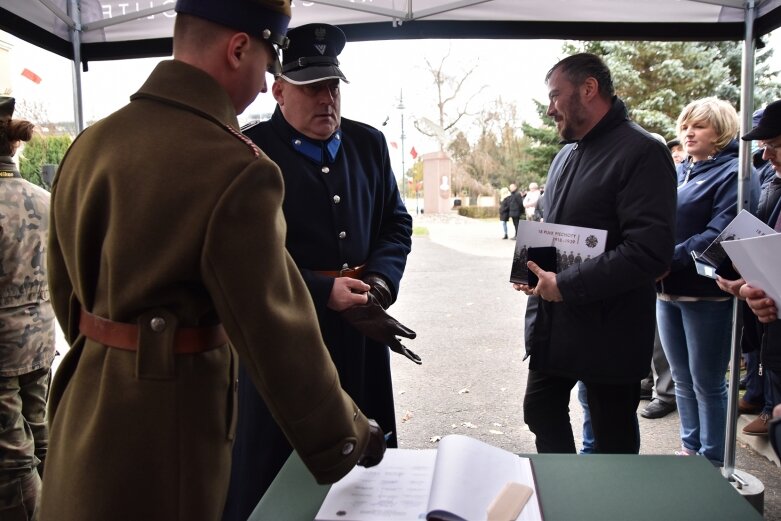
[(26, 316)]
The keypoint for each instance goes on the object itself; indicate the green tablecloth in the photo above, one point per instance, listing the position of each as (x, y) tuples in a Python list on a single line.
[(598, 487)]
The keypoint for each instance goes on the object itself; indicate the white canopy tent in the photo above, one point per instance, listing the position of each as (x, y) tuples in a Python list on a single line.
[(88, 30)]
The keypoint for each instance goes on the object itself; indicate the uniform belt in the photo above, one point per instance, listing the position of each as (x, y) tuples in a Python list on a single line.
[(354, 273), (187, 340)]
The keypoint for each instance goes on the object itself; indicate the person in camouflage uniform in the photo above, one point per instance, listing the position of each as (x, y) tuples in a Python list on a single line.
[(26, 326)]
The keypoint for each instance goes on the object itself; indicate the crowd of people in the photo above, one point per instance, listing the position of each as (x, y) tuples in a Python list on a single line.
[(217, 327)]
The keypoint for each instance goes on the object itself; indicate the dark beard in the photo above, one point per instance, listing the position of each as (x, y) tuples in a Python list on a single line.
[(575, 119)]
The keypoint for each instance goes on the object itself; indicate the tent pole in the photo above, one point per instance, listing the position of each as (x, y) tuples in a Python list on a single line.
[(75, 34), (746, 484)]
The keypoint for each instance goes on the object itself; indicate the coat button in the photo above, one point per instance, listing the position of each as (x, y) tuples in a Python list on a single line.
[(348, 448), (297, 142), (157, 324), (342, 235), (325, 170), (337, 199)]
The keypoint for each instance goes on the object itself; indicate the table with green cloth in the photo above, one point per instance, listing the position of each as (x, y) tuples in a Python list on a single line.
[(598, 487)]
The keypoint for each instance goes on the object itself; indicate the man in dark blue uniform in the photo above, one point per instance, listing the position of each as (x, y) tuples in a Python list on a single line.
[(349, 234)]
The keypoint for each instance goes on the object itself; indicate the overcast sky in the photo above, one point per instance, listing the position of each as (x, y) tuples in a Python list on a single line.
[(512, 70)]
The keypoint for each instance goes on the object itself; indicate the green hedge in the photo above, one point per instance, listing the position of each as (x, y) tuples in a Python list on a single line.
[(479, 212)]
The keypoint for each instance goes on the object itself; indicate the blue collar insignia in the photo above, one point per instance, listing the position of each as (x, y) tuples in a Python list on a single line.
[(314, 149)]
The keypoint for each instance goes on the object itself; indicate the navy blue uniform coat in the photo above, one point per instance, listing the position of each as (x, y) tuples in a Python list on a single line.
[(342, 208)]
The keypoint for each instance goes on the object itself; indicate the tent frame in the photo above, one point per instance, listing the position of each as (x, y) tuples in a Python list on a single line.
[(410, 24)]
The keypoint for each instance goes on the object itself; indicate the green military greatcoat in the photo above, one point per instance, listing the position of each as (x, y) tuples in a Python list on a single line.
[(163, 210)]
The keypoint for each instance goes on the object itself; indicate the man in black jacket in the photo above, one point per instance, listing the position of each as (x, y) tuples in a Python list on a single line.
[(594, 321), (762, 328)]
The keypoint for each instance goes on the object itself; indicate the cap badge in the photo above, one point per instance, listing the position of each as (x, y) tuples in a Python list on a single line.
[(320, 33), (320, 48)]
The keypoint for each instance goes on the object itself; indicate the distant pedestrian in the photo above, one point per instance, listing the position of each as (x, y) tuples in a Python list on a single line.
[(515, 206), (530, 201), (504, 208)]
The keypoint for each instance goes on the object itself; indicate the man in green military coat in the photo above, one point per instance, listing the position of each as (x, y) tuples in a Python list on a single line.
[(167, 243)]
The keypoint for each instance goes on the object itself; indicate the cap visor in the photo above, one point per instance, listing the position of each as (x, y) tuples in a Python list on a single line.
[(314, 74), (761, 133)]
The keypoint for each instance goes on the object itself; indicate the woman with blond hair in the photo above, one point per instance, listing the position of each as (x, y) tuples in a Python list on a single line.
[(694, 316)]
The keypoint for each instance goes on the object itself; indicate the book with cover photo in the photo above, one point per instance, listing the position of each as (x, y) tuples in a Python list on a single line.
[(464, 479), (714, 260), (573, 244)]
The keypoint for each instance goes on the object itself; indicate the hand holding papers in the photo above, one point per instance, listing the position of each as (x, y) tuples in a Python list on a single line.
[(574, 244), (757, 260), (714, 260), (459, 481)]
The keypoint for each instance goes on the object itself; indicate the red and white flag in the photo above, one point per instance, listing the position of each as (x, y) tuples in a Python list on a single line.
[(30, 75), (413, 153)]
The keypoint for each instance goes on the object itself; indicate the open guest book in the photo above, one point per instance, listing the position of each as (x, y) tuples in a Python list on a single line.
[(463, 479)]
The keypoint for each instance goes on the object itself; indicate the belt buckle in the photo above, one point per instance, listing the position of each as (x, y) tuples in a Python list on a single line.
[(344, 272)]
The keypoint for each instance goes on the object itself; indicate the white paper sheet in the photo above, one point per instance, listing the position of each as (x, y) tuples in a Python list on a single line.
[(758, 260)]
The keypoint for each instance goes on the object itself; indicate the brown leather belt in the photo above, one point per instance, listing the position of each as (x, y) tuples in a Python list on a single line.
[(188, 340), (354, 273)]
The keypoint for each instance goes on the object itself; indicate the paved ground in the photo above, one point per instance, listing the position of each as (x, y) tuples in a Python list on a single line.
[(469, 321)]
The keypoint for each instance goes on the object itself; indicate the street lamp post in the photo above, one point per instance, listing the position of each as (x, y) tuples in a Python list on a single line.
[(401, 107)]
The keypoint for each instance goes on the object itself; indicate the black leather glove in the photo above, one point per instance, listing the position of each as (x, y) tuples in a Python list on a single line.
[(372, 321), (380, 289), (375, 449)]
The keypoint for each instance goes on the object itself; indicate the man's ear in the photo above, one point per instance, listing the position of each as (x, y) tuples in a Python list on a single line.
[(237, 48), (590, 88), (278, 91)]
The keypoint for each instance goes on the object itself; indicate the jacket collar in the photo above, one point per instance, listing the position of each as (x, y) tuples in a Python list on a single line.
[(728, 153), (315, 150), (8, 168), (203, 94)]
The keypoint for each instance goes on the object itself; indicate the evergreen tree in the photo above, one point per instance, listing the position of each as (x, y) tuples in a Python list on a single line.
[(657, 80), (543, 145), (40, 151)]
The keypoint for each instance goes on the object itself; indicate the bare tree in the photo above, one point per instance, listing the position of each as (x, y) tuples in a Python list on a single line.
[(448, 93)]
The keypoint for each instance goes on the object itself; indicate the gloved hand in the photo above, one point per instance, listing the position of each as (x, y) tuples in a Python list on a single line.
[(380, 289), (375, 449), (373, 322)]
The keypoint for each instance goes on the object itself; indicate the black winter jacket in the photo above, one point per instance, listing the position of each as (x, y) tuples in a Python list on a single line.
[(621, 179)]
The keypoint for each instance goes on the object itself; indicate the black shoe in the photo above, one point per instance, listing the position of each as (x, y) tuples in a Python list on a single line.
[(504, 237), (657, 409)]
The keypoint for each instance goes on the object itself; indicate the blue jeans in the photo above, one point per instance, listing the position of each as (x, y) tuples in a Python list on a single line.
[(696, 337), (588, 433), (755, 384)]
